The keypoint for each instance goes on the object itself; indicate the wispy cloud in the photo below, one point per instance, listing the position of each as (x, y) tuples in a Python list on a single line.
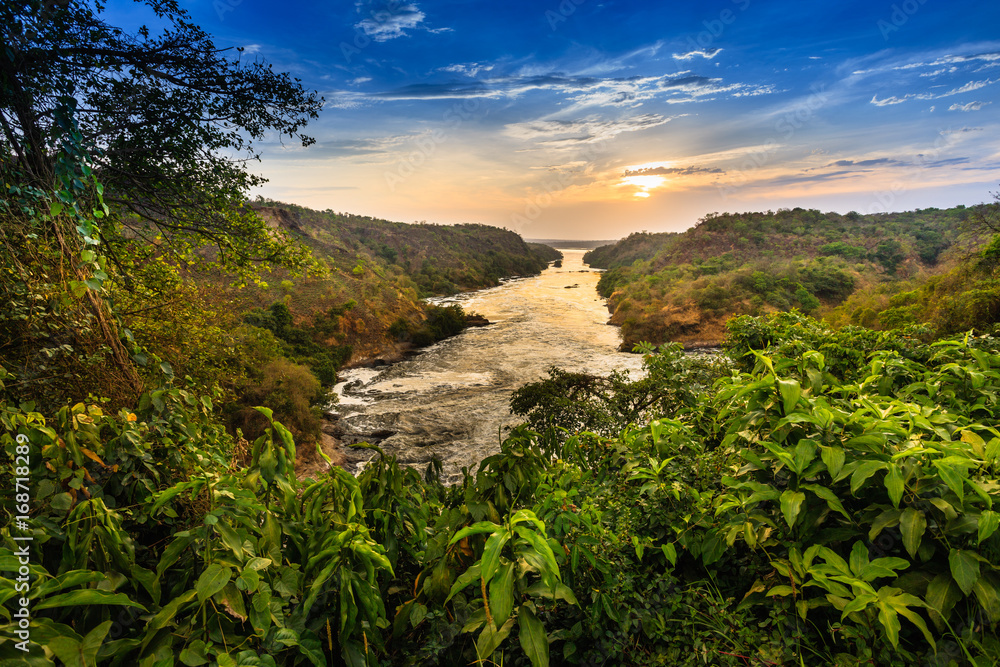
[(671, 171), (467, 69), (875, 162), (573, 133), (944, 63), (388, 19), (971, 106), (965, 88), (707, 54), (585, 91)]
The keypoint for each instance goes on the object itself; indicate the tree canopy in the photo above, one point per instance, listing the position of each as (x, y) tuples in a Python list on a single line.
[(168, 121)]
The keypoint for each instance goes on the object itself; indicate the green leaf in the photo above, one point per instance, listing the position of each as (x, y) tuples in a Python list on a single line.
[(859, 558), (900, 602), (988, 522), (986, 592), (532, 637), (491, 553), (502, 593), (61, 502), (85, 597), (890, 622), (832, 501), (212, 580), (550, 574), (464, 579), (81, 653), (234, 599), (230, 538), (791, 504), (964, 568), (165, 616), (491, 638), (912, 524), (482, 527), (834, 458), (952, 476), (790, 394), (882, 521), (942, 595), (670, 553), (894, 483), (864, 471), (804, 453)]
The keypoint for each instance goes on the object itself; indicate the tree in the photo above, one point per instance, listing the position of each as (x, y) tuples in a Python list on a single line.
[(169, 122), (121, 156)]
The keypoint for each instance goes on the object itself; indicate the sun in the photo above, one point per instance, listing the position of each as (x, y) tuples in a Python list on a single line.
[(644, 183)]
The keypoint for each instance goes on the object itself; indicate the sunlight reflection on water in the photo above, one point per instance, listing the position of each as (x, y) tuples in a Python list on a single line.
[(452, 399)]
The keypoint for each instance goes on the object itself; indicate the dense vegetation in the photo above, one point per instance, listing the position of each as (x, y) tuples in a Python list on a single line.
[(683, 287), (816, 496), (826, 501), (439, 259)]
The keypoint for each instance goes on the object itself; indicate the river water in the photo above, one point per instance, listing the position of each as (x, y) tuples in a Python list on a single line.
[(451, 401)]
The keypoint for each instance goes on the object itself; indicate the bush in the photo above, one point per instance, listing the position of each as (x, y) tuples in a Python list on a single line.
[(291, 391)]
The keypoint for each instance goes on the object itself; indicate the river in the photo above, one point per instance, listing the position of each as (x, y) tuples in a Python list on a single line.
[(451, 400)]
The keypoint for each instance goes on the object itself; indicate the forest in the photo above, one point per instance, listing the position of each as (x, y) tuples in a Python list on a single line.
[(880, 271), (821, 493)]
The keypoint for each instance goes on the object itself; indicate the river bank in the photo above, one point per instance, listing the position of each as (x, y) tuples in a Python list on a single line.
[(450, 401)]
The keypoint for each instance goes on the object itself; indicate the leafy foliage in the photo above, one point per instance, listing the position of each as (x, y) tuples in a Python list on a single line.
[(796, 511), (683, 287)]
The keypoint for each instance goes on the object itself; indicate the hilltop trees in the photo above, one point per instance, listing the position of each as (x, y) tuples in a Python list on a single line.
[(166, 122)]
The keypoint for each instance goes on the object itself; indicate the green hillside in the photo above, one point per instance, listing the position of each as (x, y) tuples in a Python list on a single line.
[(683, 287), (440, 259)]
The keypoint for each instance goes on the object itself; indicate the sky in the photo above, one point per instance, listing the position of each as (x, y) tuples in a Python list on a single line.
[(580, 119)]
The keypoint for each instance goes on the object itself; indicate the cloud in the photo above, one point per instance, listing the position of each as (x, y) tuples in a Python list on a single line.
[(359, 80), (966, 88), (467, 69), (889, 101), (388, 19), (671, 171), (946, 64), (969, 87), (372, 148), (573, 133), (707, 54), (585, 91), (988, 57), (971, 106), (939, 72), (882, 161)]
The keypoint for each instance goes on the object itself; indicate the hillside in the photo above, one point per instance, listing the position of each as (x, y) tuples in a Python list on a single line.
[(281, 340), (683, 287), (440, 259)]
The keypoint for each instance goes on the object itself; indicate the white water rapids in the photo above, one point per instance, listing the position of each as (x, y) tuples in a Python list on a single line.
[(452, 399)]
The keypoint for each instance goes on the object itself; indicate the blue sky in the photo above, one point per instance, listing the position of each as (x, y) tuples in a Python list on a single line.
[(596, 118)]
